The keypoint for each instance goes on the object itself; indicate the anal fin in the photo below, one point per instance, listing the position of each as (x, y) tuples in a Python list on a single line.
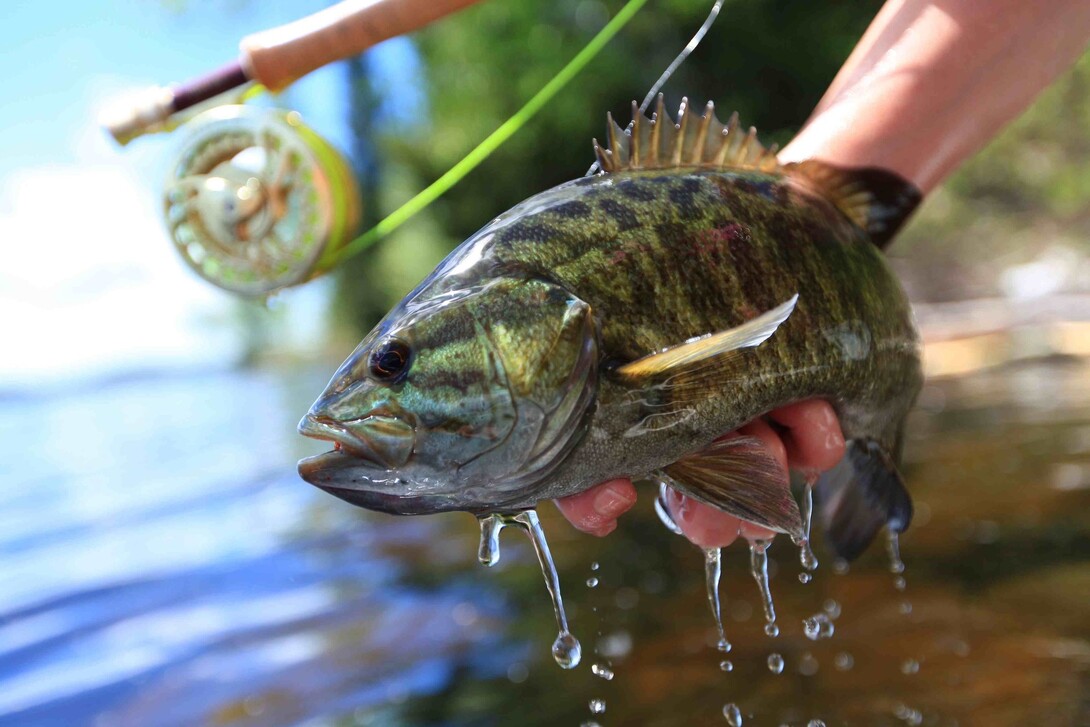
[(863, 493), (739, 477)]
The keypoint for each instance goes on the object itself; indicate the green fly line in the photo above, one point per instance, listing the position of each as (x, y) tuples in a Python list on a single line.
[(494, 140)]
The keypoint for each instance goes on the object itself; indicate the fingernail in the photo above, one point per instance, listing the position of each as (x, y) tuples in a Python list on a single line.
[(612, 501)]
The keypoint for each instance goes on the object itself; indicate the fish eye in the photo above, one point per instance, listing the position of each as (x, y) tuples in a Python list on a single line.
[(389, 361)]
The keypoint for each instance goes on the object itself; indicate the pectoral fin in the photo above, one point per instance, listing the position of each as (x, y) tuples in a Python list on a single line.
[(739, 477), (708, 349), (860, 495)]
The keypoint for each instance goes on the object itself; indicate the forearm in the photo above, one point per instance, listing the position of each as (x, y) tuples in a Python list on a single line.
[(932, 81)]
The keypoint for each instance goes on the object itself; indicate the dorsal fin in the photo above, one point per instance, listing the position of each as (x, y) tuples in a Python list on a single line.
[(659, 142), (875, 200)]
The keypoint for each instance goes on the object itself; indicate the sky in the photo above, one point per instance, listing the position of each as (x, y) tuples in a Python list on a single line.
[(89, 282)]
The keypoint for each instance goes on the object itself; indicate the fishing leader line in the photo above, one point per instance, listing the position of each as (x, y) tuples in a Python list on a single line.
[(674, 65)]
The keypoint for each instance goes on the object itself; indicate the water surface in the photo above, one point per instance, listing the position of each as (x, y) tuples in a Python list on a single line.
[(162, 564)]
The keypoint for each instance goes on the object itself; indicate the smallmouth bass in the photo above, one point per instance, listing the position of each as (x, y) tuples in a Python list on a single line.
[(616, 325)]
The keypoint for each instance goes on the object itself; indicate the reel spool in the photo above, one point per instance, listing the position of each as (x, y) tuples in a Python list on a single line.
[(258, 201)]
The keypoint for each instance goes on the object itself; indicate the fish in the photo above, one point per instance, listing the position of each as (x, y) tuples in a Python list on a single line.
[(618, 324)]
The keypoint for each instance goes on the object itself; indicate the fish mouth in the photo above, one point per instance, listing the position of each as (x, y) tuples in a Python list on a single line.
[(384, 441), (362, 483)]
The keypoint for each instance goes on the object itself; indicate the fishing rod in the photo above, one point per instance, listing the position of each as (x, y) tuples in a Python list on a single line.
[(278, 57)]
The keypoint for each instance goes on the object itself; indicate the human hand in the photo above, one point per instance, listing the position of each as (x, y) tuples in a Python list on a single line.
[(807, 438)]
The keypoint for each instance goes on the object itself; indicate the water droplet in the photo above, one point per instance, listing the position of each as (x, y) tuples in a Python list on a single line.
[(908, 715), (601, 670), (592, 582), (815, 723), (841, 567), (905, 607), (818, 626), (832, 608), (910, 666), (843, 661), (594, 565), (893, 548), (488, 552), (899, 583), (724, 646), (597, 706), (775, 663), (590, 723), (712, 571), (804, 577), (733, 715), (518, 672), (616, 645), (660, 506), (806, 508), (758, 567), (566, 649), (726, 665), (808, 665)]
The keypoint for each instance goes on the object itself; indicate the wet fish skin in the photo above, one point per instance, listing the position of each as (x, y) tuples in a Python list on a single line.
[(518, 337)]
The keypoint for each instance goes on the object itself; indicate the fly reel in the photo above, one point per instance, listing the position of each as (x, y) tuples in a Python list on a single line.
[(258, 201)]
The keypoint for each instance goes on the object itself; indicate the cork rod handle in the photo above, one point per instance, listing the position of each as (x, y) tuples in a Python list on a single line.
[(277, 57)]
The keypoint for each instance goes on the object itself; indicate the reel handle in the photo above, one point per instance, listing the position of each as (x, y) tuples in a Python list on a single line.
[(280, 56)]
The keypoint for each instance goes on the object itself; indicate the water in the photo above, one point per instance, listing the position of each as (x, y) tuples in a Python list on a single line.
[(603, 671), (733, 715), (775, 663), (661, 509), (893, 549), (162, 564), (488, 552), (807, 558), (818, 626), (566, 649), (758, 568), (712, 572)]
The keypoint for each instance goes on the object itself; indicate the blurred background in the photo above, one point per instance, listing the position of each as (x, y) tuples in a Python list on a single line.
[(162, 564)]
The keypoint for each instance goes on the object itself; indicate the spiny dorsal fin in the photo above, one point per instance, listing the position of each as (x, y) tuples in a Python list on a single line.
[(659, 142), (875, 200)]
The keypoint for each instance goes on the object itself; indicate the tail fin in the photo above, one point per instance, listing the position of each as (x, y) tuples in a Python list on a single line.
[(860, 495)]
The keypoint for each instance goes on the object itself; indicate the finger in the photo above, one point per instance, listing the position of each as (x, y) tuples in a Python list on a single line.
[(813, 438), (596, 510), (704, 526)]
